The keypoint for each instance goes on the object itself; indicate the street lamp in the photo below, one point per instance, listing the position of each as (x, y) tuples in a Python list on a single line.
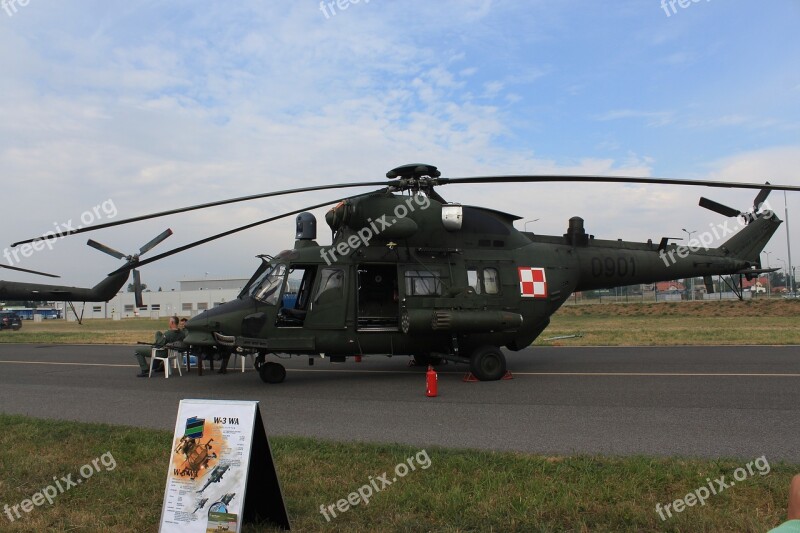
[(785, 272), (528, 222), (689, 245), (769, 276)]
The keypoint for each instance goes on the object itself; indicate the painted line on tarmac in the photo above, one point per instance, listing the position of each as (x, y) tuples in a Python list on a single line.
[(656, 374), (582, 374), (64, 364)]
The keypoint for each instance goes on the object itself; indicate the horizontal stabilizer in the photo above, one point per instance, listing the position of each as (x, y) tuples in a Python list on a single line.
[(758, 270)]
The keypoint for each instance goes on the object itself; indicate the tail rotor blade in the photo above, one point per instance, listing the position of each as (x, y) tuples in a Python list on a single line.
[(155, 242), (137, 288), (760, 198), (717, 207), (106, 249)]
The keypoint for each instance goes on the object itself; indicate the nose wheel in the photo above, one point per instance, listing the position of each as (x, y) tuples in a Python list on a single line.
[(272, 372)]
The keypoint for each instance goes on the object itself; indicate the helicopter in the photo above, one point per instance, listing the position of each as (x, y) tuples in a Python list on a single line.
[(215, 477), (410, 274), (102, 292)]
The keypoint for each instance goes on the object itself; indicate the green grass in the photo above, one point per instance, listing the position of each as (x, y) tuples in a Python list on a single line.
[(94, 331), (461, 491), (669, 324)]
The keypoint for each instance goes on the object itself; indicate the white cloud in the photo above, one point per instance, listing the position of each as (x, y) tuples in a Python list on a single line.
[(652, 118)]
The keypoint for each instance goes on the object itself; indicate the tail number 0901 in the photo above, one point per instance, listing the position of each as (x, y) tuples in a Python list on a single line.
[(611, 267)]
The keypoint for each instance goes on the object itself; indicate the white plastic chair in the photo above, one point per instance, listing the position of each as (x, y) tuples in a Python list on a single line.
[(243, 357), (165, 356)]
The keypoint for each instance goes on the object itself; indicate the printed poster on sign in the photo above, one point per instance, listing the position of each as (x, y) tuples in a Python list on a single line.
[(209, 466)]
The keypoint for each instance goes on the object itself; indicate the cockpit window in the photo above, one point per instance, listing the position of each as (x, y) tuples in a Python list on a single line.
[(267, 288)]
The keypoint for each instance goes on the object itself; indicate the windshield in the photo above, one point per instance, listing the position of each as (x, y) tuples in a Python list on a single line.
[(267, 287)]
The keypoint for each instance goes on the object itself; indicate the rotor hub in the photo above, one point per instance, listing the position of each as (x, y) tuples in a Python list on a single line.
[(415, 177)]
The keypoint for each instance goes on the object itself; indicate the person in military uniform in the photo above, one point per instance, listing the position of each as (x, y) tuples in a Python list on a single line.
[(172, 335)]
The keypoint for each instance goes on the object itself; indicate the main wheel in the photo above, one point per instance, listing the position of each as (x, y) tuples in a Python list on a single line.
[(272, 372), (488, 363)]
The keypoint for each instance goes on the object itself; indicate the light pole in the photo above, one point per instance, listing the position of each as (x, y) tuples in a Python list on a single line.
[(528, 222), (689, 245), (785, 272), (788, 243), (769, 276)]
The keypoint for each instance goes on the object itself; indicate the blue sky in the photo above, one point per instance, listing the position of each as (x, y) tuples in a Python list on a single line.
[(156, 104)]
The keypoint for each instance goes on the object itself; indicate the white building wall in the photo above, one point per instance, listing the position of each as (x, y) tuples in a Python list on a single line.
[(157, 305)]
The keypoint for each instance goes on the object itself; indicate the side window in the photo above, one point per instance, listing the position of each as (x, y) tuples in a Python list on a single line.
[(423, 283), (331, 285), (491, 281), (483, 280), (473, 281)]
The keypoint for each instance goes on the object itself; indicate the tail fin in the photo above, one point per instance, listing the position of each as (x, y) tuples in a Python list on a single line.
[(749, 243), (108, 287)]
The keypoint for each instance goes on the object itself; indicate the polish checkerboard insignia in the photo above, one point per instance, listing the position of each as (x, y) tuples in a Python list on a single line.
[(532, 282)]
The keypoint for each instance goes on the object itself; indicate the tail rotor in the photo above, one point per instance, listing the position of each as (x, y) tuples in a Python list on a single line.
[(132, 260), (749, 216)]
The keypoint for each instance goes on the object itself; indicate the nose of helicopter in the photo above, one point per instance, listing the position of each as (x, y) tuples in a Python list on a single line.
[(225, 319)]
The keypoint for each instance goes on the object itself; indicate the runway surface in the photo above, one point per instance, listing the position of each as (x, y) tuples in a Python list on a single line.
[(689, 401)]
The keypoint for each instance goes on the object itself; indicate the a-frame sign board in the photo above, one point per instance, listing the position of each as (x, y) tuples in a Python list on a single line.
[(221, 472)]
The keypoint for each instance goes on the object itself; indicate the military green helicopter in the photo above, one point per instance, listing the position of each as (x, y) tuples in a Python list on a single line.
[(410, 274)]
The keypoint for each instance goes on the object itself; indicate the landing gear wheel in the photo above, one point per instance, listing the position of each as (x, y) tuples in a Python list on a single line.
[(272, 372), (259, 361), (488, 363)]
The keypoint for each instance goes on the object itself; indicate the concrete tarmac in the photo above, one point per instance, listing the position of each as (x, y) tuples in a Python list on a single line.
[(719, 401)]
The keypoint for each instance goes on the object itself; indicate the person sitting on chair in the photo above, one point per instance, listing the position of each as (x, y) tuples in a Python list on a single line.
[(173, 334)]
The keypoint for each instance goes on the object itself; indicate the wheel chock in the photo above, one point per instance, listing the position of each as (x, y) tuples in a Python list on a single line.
[(469, 377)]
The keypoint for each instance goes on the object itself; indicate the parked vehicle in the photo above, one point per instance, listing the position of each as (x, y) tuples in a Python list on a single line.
[(10, 320)]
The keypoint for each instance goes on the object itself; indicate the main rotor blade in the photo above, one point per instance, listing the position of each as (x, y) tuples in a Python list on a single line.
[(717, 207), (29, 271), (155, 242), (236, 230), (106, 249), (615, 179), (204, 206)]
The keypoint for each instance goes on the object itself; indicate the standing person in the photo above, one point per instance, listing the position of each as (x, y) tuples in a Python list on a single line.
[(173, 334)]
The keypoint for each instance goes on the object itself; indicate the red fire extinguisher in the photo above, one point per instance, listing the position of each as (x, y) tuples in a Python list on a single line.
[(433, 383)]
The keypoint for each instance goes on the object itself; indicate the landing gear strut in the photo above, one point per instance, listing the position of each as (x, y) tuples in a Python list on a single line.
[(272, 372)]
